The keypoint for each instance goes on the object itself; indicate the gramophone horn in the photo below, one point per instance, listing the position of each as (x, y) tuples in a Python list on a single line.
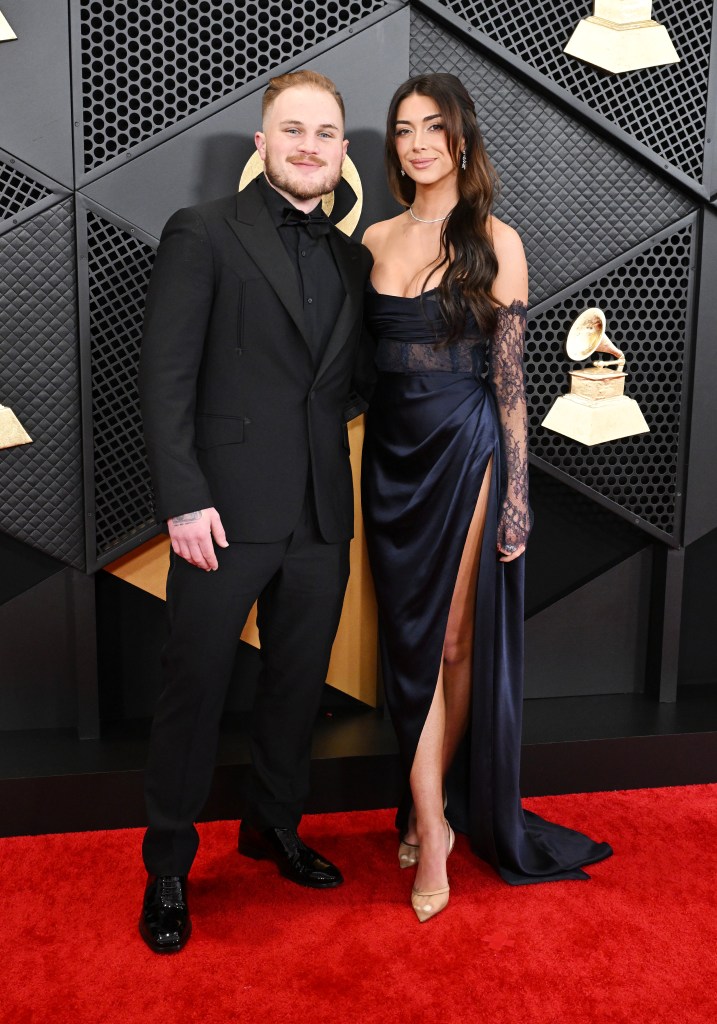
[(585, 334)]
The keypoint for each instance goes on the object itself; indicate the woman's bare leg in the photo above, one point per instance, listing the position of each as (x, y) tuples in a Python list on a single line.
[(427, 791), (448, 714), (458, 646)]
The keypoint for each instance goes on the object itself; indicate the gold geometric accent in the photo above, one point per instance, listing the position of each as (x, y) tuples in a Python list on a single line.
[(621, 36), (6, 32), (255, 166), (145, 567), (11, 430)]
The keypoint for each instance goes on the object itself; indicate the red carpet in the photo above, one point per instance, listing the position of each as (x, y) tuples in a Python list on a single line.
[(635, 944)]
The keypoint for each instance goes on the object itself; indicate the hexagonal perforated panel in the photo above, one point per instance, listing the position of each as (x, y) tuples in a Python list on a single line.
[(646, 305), (119, 266), (17, 191), (147, 65), (576, 200), (665, 107)]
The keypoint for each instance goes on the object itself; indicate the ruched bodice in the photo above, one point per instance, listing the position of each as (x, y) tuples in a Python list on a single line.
[(437, 424)]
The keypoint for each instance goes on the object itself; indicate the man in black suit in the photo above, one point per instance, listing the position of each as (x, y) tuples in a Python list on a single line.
[(251, 356)]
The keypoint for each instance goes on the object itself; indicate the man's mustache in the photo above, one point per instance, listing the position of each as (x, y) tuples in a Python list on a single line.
[(307, 160)]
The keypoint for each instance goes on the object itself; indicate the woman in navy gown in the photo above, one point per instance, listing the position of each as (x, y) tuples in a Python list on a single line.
[(445, 499)]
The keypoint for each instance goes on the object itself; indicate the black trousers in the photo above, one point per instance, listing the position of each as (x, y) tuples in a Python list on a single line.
[(299, 583)]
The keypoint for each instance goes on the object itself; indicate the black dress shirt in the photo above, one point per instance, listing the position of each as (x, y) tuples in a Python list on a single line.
[(322, 289)]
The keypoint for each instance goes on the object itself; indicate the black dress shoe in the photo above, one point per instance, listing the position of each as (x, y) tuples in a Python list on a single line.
[(296, 861), (165, 924)]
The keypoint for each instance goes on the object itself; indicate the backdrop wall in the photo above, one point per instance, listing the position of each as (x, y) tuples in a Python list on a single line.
[(115, 114)]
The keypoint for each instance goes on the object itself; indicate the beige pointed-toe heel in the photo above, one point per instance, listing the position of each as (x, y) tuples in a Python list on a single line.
[(408, 854), (427, 904)]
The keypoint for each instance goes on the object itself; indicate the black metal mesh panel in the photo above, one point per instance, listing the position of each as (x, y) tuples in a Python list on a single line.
[(645, 302), (576, 200), (17, 191), (41, 494), (119, 266), (665, 107), (147, 65)]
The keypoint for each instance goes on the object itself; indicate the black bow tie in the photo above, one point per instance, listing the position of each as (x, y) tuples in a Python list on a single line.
[(316, 223)]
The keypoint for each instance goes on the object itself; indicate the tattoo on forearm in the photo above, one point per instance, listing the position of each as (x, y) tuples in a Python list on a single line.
[(186, 518)]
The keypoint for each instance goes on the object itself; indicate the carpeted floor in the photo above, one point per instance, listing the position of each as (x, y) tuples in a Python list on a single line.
[(635, 944)]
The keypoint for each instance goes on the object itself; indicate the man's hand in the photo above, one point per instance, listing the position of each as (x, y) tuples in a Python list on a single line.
[(191, 535)]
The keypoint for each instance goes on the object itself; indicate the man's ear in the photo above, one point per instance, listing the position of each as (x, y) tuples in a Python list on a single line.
[(260, 143), (345, 147)]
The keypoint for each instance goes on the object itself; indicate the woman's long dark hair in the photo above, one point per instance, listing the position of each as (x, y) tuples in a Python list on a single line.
[(466, 247)]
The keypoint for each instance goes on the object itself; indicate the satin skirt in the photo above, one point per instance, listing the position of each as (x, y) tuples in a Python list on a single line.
[(429, 440)]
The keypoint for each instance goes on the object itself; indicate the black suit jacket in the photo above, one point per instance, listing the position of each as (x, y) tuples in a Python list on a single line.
[(235, 413)]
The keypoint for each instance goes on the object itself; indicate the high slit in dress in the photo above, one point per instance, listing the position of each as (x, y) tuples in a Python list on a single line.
[(441, 412)]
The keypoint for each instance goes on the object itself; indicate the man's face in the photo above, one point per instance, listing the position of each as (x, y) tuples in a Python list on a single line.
[(302, 143)]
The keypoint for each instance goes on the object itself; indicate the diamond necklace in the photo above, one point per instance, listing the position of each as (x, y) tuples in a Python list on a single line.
[(435, 220)]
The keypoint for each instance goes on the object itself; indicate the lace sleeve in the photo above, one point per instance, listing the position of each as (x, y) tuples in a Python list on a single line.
[(507, 382)]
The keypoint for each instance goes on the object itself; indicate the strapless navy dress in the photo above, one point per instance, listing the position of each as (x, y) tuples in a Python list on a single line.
[(434, 424)]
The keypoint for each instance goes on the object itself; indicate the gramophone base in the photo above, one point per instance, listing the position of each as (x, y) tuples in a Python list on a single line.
[(595, 422), (619, 48)]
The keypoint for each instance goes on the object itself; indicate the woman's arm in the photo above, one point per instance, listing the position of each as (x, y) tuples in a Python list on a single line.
[(508, 383)]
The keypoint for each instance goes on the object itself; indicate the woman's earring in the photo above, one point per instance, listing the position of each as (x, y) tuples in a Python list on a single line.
[(403, 173), (463, 160)]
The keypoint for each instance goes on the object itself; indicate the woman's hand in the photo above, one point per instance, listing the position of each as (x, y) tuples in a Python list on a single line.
[(510, 552)]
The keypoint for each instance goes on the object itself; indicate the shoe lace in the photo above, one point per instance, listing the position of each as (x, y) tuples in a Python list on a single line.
[(170, 892)]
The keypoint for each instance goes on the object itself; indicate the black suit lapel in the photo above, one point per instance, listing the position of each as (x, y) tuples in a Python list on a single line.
[(256, 231), (348, 261)]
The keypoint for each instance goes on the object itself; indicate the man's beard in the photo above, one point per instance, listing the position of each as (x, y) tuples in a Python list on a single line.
[(297, 189)]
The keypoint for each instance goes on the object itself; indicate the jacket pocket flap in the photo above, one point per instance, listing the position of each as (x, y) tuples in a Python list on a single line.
[(212, 431)]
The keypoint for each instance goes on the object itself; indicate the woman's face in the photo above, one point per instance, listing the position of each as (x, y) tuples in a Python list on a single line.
[(421, 141)]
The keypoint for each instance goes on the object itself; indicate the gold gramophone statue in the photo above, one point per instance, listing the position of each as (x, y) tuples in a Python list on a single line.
[(12, 431), (596, 409)]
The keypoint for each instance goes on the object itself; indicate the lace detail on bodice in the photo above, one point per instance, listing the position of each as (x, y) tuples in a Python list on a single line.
[(507, 381), (409, 333), (465, 356)]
